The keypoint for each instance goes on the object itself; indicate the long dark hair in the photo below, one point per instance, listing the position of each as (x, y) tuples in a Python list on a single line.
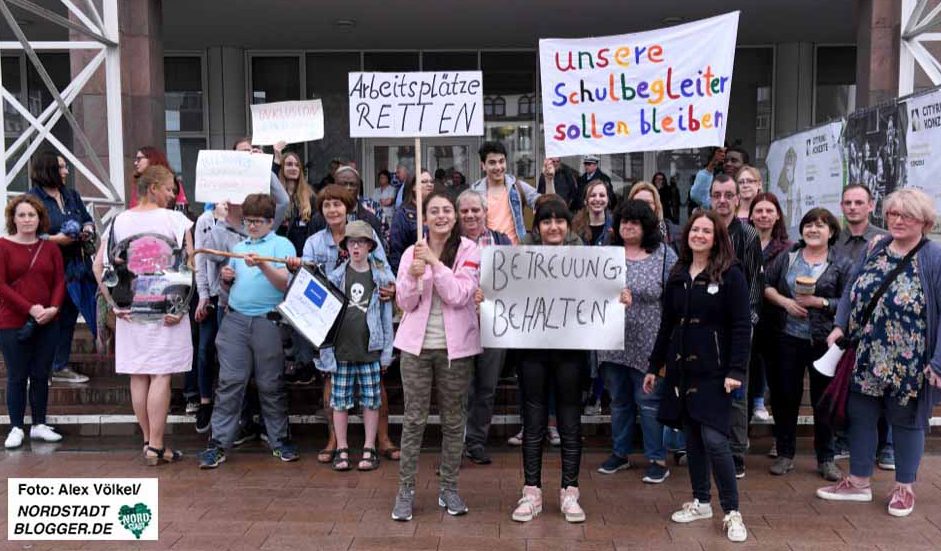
[(721, 257), (449, 254), (45, 170), (779, 238), (635, 210)]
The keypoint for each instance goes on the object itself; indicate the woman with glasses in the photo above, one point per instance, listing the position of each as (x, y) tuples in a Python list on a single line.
[(749, 185), (897, 373)]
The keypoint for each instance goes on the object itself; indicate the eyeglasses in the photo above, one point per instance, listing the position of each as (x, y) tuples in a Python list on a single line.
[(749, 182), (249, 222), (907, 218), (728, 195), (357, 242)]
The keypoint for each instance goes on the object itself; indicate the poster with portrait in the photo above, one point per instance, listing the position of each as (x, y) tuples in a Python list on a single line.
[(874, 142), (805, 170)]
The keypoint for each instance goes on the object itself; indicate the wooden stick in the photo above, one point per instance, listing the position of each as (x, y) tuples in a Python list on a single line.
[(242, 256), (418, 202)]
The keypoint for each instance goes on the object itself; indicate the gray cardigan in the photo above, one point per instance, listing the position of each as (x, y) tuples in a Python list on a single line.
[(929, 272)]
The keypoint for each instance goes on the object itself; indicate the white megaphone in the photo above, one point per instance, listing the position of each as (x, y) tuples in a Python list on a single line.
[(826, 365)]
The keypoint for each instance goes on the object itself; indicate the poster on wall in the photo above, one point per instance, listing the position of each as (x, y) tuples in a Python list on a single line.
[(654, 90), (922, 138), (874, 142), (805, 170)]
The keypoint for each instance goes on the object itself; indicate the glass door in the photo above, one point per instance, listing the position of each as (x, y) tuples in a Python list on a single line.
[(449, 154)]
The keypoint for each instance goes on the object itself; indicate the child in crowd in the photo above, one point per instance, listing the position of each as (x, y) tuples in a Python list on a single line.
[(248, 342), (363, 346)]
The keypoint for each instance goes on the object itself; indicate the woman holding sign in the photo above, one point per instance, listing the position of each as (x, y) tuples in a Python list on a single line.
[(439, 336), (701, 352)]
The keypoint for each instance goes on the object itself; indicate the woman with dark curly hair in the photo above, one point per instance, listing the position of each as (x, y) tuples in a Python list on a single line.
[(647, 265)]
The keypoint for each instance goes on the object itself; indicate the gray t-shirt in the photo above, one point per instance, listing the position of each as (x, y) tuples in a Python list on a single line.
[(352, 342)]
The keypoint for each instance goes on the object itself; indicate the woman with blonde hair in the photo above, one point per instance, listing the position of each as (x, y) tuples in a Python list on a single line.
[(301, 207), (750, 184), (648, 193)]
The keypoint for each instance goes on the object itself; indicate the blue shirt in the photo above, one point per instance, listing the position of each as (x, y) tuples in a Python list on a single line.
[(252, 294), (702, 186)]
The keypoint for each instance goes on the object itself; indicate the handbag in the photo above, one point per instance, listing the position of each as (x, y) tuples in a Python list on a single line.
[(833, 400)]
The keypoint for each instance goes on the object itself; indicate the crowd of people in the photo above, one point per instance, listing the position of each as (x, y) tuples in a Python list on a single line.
[(719, 314)]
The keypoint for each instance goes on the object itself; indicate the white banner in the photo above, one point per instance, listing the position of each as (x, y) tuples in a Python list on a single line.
[(448, 103), (288, 121), (922, 160), (805, 170), (661, 89), (231, 175), (552, 297), (82, 509)]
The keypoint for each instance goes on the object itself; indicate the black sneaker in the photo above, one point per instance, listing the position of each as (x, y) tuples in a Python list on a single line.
[(739, 466), (247, 433), (204, 418), (477, 456)]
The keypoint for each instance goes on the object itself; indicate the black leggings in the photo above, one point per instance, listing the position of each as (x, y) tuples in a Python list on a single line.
[(565, 368)]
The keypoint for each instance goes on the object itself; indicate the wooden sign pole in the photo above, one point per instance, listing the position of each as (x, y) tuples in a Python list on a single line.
[(418, 201)]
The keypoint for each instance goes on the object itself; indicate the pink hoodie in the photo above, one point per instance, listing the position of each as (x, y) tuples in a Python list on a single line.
[(456, 289)]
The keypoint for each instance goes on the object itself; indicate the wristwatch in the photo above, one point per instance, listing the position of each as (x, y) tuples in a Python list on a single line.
[(826, 303)]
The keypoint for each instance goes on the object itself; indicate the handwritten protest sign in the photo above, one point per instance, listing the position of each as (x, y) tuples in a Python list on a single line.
[(416, 104), (289, 121), (662, 89), (552, 297), (231, 175)]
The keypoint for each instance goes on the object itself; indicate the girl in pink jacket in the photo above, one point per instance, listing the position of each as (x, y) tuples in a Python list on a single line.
[(439, 336)]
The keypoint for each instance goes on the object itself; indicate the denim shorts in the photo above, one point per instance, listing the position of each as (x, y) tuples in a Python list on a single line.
[(349, 375)]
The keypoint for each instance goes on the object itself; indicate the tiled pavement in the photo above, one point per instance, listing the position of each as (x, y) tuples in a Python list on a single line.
[(256, 502)]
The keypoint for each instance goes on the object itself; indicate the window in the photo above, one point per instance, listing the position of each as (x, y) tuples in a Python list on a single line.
[(327, 81), (509, 77), (525, 105), (185, 114), (835, 82)]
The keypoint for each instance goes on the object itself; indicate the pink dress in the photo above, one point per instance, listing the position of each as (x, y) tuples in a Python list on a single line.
[(152, 348)]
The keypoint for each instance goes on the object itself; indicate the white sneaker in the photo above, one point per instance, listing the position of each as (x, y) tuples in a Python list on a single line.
[(68, 375), (554, 437), (572, 511), (14, 439), (44, 433), (692, 511), (761, 415), (516, 439), (735, 527)]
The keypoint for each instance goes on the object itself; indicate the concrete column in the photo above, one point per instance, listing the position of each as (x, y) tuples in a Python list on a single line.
[(227, 95), (142, 88), (878, 28), (793, 87)]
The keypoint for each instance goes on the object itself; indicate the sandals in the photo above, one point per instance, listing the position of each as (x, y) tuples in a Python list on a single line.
[(326, 456), (391, 453), (160, 456), (370, 463), (341, 463)]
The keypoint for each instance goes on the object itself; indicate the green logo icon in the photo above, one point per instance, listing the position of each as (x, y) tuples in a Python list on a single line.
[(135, 518)]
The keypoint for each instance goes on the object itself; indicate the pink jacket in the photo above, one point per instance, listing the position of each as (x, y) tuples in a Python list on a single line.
[(455, 288)]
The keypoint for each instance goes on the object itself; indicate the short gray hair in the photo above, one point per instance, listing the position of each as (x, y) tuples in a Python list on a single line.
[(914, 202), (470, 193)]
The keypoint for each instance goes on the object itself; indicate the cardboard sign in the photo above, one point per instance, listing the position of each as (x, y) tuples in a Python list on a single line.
[(288, 121), (448, 103), (552, 297), (231, 175), (662, 89)]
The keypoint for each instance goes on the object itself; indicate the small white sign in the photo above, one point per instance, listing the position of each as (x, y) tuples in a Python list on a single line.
[(288, 121), (231, 175), (82, 509), (446, 103), (552, 297)]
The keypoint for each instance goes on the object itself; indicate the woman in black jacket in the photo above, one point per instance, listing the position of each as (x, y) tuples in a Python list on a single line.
[(804, 287), (702, 351)]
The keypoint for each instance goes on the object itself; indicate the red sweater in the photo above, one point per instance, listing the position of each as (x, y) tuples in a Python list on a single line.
[(44, 285)]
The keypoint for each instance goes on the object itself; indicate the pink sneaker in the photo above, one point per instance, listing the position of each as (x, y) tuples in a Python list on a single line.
[(901, 501), (529, 506), (568, 497), (844, 490)]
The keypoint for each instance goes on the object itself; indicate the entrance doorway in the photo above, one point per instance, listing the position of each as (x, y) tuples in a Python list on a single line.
[(449, 154)]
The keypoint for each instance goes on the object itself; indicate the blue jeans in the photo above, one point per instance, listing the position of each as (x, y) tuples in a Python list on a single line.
[(626, 387), (67, 318), (199, 380), (28, 362), (909, 440), (674, 440)]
